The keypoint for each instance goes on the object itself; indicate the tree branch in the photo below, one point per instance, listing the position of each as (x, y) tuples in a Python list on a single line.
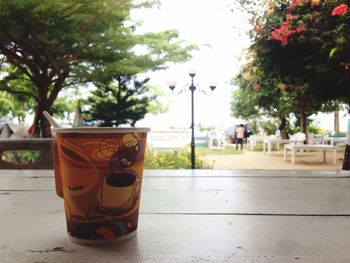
[(55, 66), (15, 60), (57, 87)]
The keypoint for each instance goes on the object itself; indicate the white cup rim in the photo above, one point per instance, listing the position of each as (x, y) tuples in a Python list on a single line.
[(102, 130)]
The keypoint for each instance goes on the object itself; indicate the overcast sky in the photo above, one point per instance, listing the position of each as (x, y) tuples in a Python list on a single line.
[(216, 30), (221, 36)]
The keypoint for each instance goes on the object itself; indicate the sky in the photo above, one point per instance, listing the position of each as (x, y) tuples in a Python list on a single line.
[(216, 31), (221, 36)]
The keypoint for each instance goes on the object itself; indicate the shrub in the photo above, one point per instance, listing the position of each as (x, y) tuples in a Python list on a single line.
[(315, 129), (269, 127), (179, 159), (21, 157)]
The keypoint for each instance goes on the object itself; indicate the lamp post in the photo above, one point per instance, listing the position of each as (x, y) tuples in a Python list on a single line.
[(192, 87)]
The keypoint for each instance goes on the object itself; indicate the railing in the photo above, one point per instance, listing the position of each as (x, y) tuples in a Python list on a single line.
[(44, 147)]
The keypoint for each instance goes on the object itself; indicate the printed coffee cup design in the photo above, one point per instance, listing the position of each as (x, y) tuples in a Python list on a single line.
[(98, 172), (118, 191)]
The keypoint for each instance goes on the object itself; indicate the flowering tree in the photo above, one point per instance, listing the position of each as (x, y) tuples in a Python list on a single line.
[(304, 46), (321, 31)]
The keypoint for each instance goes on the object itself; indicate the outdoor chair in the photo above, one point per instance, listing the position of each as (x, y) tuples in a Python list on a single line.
[(216, 140)]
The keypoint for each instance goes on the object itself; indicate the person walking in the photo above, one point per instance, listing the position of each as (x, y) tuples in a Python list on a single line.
[(240, 136)]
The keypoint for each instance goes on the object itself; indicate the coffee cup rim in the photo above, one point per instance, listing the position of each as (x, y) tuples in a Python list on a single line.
[(102, 130)]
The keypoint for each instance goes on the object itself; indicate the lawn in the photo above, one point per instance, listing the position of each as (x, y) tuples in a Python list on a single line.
[(229, 150)]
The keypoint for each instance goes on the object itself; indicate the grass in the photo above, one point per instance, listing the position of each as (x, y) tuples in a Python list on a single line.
[(258, 148), (229, 150)]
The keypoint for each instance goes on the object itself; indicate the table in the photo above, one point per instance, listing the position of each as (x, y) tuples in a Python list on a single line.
[(314, 147), (191, 216), (270, 141)]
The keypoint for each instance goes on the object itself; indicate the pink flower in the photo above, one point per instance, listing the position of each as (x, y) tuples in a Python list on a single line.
[(340, 10), (277, 34), (256, 85), (299, 29), (282, 33), (294, 3), (290, 17)]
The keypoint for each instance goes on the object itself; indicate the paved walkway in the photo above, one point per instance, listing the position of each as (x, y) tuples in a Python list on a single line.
[(258, 160)]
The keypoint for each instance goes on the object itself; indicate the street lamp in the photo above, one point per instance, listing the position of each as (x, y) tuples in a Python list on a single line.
[(192, 87)]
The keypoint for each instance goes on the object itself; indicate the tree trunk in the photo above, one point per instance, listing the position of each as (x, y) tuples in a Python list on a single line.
[(42, 127), (282, 128), (303, 119), (303, 115), (336, 121)]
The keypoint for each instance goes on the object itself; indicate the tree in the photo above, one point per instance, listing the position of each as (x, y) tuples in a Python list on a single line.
[(121, 97), (312, 44), (59, 43), (124, 102), (16, 104), (291, 43), (260, 94), (160, 103)]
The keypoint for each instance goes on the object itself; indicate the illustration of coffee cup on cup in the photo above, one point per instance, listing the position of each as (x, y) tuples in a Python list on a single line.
[(118, 191), (119, 187)]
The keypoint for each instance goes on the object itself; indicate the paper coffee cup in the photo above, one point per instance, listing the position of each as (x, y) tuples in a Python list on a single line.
[(98, 173)]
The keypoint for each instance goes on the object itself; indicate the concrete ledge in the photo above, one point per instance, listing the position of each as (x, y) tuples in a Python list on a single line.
[(43, 145)]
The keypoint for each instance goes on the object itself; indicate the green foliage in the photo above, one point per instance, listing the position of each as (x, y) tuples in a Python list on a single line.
[(298, 61), (172, 160), (315, 129), (160, 103), (17, 93), (60, 43), (253, 123), (269, 127), (22, 157), (64, 105), (312, 48), (123, 103)]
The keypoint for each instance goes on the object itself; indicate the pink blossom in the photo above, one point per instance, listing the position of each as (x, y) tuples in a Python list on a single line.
[(299, 29), (284, 32), (256, 85), (340, 10), (294, 3), (290, 17)]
